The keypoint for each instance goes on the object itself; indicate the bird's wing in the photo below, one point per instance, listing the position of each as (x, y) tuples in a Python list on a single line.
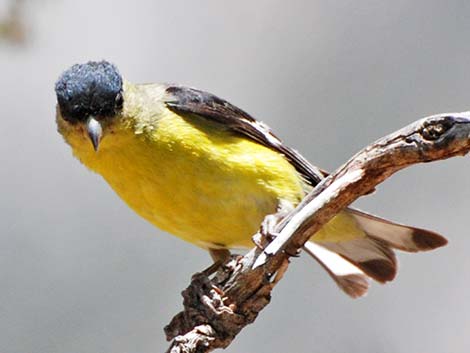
[(185, 100)]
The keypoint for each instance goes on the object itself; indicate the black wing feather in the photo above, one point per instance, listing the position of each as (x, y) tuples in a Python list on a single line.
[(192, 101)]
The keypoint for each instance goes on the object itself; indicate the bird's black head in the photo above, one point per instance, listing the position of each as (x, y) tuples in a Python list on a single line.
[(91, 89)]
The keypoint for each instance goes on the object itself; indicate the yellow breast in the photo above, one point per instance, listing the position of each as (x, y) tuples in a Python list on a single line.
[(190, 177)]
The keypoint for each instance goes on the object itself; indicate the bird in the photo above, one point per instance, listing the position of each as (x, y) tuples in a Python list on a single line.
[(204, 170)]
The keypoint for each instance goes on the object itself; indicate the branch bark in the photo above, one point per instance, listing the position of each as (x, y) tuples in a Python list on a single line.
[(217, 307)]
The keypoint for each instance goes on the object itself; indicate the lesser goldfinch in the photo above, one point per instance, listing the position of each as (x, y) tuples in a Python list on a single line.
[(204, 170)]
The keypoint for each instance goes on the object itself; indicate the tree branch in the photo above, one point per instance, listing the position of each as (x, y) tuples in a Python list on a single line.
[(218, 307)]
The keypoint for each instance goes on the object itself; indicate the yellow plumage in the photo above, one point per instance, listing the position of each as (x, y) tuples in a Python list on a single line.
[(200, 168), (194, 179)]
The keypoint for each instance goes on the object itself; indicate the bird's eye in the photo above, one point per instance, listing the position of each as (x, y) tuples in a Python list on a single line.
[(435, 130), (119, 101)]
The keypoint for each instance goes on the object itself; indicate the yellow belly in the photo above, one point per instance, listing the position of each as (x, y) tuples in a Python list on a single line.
[(196, 181)]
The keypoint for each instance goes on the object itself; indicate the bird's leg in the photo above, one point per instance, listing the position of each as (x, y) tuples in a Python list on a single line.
[(219, 256), (267, 232)]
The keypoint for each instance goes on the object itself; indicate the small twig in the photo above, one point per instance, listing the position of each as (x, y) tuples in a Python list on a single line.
[(217, 309)]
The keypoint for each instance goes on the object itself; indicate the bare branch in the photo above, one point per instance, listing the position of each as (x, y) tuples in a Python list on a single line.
[(217, 308)]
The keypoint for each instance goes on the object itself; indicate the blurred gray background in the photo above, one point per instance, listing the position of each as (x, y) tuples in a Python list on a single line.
[(80, 272)]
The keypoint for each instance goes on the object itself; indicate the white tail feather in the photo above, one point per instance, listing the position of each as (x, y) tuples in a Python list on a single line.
[(372, 256), (350, 259), (397, 235), (347, 276)]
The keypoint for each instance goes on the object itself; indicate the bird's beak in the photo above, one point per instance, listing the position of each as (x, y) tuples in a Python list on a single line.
[(95, 131)]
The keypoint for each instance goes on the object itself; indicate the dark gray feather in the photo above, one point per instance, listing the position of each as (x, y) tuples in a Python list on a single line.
[(185, 100)]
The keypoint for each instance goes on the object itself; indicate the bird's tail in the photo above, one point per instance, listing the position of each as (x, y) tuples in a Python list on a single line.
[(356, 246)]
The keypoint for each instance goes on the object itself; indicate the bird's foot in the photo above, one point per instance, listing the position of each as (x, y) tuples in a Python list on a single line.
[(266, 233)]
